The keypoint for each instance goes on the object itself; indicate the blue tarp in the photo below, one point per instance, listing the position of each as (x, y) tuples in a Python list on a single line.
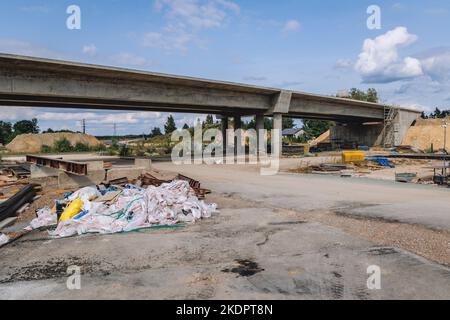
[(382, 162)]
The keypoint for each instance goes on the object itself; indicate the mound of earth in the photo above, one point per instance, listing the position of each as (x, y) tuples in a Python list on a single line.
[(33, 143), (426, 132)]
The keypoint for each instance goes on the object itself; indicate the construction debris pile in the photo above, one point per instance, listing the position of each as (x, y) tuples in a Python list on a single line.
[(13, 174), (119, 206)]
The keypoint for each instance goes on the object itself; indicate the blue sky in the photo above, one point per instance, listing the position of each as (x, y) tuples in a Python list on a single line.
[(313, 46)]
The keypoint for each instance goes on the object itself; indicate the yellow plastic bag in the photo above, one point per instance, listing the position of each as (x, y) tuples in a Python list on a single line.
[(72, 210)]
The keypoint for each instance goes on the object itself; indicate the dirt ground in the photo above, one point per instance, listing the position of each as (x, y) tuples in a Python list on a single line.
[(288, 236)]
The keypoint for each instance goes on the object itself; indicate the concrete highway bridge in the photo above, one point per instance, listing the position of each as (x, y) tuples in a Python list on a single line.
[(36, 82)]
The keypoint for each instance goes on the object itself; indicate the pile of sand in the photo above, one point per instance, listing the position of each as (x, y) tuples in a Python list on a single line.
[(32, 143), (427, 132)]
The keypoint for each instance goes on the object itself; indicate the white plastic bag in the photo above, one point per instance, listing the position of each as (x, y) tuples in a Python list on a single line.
[(45, 218), (85, 194), (3, 239)]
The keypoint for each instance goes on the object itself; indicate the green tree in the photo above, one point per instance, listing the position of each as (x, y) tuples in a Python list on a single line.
[(170, 125), (288, 123), (209, 120), (156, 132), (370, 96), (186, 126), (26, 126), (5, 132), (314, 128)]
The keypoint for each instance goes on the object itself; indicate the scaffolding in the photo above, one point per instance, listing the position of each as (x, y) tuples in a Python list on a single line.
[(389, 116)]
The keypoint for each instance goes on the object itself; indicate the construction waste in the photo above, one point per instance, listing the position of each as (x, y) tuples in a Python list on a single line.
[(3, 239), (126, 208)]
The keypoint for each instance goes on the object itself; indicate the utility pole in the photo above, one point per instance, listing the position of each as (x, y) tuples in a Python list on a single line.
[(115, 130), (83, 124), (444, 125)]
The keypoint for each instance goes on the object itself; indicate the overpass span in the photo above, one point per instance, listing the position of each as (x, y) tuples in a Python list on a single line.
[(37, 82)]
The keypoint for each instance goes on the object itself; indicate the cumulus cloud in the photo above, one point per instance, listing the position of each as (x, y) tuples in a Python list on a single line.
[(436, 64), (61, 115), (185, 19), (291, 26), (90, 50), (379, 61)]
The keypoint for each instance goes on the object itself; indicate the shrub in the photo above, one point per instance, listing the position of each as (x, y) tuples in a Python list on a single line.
[(81, 147), (62, 145), (99, 148), (46, 149), (124, 151)]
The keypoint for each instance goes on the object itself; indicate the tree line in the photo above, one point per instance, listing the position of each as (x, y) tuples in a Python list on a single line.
[(436, 114), (9, 131)]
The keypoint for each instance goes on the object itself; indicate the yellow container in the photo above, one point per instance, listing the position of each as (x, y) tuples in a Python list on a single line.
[(353, 156), (72, 210)]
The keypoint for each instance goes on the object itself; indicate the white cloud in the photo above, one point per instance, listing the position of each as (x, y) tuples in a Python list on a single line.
[(291, 26), (185, 19), (198, 14), (379, 61), (169, 40), (90, 50), (436, 64), (129, 59), (13, 46), (57, 115)]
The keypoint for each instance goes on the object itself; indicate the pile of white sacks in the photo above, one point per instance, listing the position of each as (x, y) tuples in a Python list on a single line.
[(134, 209)]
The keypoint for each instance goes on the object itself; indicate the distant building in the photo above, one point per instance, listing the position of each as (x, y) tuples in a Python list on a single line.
[(293, 133)]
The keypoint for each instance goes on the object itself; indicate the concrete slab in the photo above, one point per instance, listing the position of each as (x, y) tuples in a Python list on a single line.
[(42, 172), (95, 166), (145, 164), (67, 180)]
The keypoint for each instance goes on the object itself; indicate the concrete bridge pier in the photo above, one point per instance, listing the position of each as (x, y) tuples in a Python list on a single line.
[(277, 135), (224, 126), (259, 125)]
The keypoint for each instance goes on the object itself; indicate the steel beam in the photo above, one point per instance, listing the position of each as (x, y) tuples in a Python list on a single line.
[(77, 168)]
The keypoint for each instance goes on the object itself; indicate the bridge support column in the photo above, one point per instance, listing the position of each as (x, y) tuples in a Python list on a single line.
[(259, 121), (237, 134), (225, 121), (278, 128)]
